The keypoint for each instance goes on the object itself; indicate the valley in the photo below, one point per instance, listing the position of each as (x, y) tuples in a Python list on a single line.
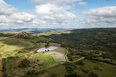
[(80, 53)]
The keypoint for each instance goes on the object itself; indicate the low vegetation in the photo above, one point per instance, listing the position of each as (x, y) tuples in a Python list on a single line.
[(88, 53)]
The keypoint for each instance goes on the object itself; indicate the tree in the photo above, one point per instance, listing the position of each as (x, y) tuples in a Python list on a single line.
[(47, 45)]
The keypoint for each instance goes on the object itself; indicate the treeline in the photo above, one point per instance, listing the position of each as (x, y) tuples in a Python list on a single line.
[(89, 39)]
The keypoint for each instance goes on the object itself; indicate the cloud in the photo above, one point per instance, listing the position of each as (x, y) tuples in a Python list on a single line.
[(21, 16), (48, 9), (6, 9), (55, 13), (82, 3), (4, 19), (102, 17), (105, 12), (10, 16), (54, 6), (19, 19), (48, 13), (56, 2), (57, 20)]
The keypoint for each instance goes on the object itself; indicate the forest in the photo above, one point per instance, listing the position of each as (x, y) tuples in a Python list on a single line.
[(90, 41)]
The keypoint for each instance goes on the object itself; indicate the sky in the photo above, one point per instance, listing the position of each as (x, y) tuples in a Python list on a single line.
[(57, 14)]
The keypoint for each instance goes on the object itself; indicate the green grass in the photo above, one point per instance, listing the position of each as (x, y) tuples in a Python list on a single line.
[(58, 71), (15, 41), (8, 50), (100, 68), (48, 60)]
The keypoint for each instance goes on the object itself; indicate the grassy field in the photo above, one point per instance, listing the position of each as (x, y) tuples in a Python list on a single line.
[(0, 67), (15, 50), (56, 56), (17, 66), (38, 61), (57, 71), (99, 68), (8, 50), (48, 60), (53, 32)]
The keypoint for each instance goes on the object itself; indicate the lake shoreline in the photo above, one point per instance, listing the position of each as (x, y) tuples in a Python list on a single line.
[(47, 49)]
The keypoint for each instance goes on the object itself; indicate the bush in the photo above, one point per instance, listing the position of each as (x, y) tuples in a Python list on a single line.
[(73, 75), (24, 63), (70, 67), (97, 68), (53, 75), (93, 75), (3, 65), (30, 73), (80, 63)]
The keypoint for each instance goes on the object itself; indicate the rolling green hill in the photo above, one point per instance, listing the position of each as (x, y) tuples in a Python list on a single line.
[(88, 53)]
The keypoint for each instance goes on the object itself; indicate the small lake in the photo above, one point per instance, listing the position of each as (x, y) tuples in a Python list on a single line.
[(47, 49)]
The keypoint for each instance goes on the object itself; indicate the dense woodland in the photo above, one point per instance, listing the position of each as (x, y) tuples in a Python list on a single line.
[(81, 40)]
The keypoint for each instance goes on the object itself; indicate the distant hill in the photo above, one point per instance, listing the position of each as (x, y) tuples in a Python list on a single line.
[(32, 29), (24, 35)]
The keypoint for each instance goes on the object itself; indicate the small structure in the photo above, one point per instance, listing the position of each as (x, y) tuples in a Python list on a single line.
[(62, 62)]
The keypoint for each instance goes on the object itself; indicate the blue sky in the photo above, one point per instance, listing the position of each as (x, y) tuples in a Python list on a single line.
[(22, 5), (27, 5), (57, 13)]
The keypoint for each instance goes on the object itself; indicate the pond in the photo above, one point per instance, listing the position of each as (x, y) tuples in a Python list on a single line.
[(47, 49)]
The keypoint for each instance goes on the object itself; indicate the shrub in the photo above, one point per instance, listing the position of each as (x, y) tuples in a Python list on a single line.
[(73, 75), (93, 75), (24, 63), (80, 63)]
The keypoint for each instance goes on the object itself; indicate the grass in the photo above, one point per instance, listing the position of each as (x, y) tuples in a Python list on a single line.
[(13, 69), (53, 32), (8, 50), (57, 71), (100, 68), (11, 46), (48, 60), (16, 42), (0, 67), (59, 53)]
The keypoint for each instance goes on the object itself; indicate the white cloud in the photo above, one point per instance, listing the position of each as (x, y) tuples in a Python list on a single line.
[(57, 20), (102, 17), (53, 15), (6, 9), (4, 19), (56, 13), (57, 2), (82, 3), (105, 11), (48, 9), (10, 16), (20, 16)]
